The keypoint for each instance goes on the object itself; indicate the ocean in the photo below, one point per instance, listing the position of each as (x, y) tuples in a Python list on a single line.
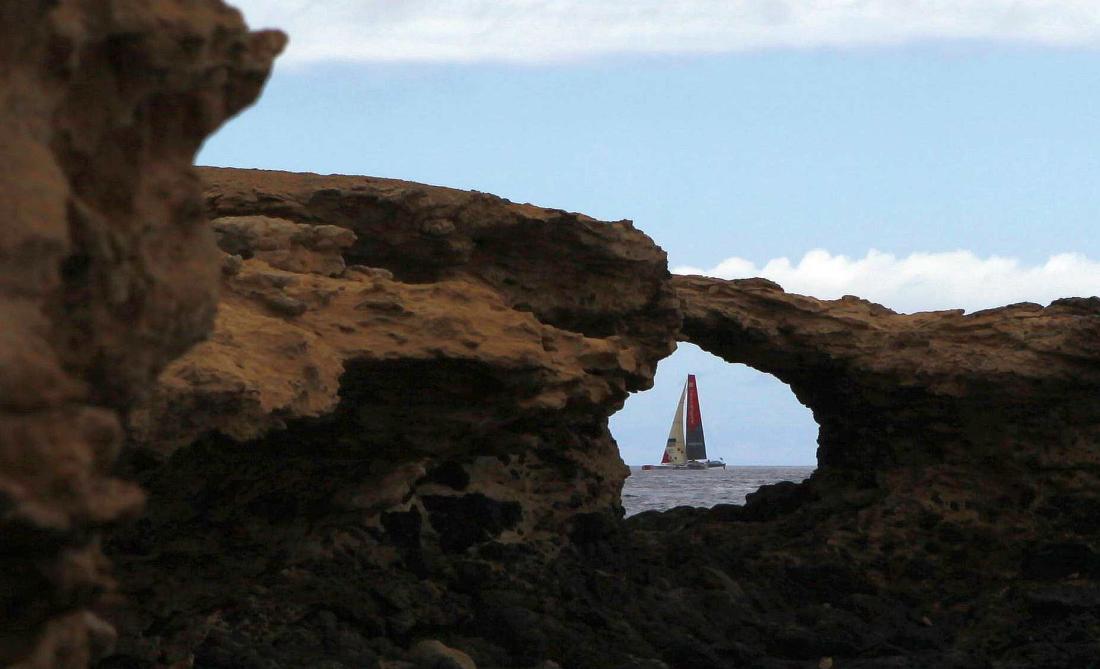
[(661, 489)]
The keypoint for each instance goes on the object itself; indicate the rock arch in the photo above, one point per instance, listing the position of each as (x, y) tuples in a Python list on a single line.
[(752, 421), (942, 435), (908, 390), (955, 504)]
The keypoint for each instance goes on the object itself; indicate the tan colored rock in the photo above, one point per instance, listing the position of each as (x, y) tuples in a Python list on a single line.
[(285, 245), (959, 454), (102, 107), (429, 427), (879, 382), (566, 332), (399, 423), (432, 654), (422, 439), (448, 391), (571, 271), (266, 363)]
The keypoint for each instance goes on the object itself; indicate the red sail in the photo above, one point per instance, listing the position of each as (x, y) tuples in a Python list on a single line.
[(696, 446)]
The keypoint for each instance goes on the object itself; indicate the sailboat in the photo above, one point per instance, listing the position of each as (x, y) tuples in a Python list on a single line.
[(686, 451)]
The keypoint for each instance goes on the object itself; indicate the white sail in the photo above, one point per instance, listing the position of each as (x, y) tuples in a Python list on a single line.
[(675, 452)]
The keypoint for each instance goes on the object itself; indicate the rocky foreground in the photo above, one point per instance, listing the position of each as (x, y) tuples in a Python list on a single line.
[(391, 449), (108, 270)]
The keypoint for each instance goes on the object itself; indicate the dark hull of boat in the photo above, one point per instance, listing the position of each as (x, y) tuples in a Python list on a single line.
[(693, 465)]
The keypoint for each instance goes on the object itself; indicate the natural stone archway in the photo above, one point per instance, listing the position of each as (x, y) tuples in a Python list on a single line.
[(398, 429), (399, 375), (948, 440), (749, 417), (751, 421), (443, 440), (893, 390)]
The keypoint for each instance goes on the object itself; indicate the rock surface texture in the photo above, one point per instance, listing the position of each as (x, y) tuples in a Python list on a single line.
[(400, 376), (959, 469), (391, 450), (397, 434), (107, 272)]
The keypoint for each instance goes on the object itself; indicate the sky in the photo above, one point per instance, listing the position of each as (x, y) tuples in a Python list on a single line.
[(923, 154)]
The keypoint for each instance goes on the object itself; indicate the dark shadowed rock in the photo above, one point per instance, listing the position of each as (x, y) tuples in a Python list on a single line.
[(108, 271), (397, 429), (423, 450)]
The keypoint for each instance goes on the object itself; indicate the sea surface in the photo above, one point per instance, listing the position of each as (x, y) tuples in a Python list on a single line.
[(660, 489)]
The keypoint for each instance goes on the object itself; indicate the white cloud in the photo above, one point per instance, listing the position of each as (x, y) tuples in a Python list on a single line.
[(550, 30), (922, 281)]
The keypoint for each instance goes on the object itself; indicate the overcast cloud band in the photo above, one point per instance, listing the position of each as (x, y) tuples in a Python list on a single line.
[(922, 281), (558, 30)]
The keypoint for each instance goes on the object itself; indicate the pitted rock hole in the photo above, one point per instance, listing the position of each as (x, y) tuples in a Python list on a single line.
[(752, 421)]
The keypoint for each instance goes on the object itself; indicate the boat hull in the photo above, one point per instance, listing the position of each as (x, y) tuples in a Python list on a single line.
[(694, 464)]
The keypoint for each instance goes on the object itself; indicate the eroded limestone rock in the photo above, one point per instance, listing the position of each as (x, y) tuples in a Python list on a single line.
[(107, 272), (285, 245), (398, 428), (959, 457), (571, 271), (906, 390), (417, 448), (448, 393)]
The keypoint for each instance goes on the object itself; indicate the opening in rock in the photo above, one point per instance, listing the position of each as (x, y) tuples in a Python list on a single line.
[(751, 421)]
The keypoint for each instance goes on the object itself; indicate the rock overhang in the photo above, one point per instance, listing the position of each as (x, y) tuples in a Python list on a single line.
[(427, 401)]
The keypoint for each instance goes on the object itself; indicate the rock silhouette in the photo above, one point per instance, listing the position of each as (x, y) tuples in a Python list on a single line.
[(389, 446)]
